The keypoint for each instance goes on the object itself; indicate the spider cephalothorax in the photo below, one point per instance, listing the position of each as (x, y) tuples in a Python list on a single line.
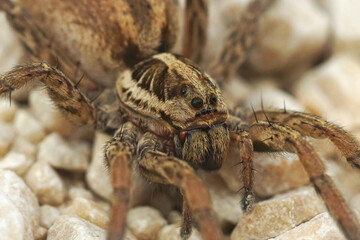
[(170, 115)]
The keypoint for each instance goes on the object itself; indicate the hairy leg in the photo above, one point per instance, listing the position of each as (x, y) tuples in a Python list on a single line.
[(196, 22), (239, 41), (279, 138), (316, 127), (60, 88), (160, 168), (242, 139), (118, 152)]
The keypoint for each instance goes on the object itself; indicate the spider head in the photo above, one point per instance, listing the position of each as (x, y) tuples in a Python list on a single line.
[(172, 93)]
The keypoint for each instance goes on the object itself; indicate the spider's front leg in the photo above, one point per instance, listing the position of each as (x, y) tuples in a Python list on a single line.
[(118, 152), (240, 137), (158, 167), (277, 137), (62, 91), (316, 127)]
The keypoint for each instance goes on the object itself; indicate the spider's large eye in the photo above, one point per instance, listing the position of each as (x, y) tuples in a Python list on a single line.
[(197, 103), (213, 98)]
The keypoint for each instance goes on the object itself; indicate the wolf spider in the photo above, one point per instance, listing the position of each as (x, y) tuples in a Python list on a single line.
[(170, 116)]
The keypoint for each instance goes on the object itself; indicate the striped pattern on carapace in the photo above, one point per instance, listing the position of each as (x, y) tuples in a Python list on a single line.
[(163, 87)]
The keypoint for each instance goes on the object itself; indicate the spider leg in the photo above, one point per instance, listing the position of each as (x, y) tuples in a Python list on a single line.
[(278, 137), (239, 40), (242, 139), (196, 22), (118, 152), (60, 88), (316, 127), (158, 167)]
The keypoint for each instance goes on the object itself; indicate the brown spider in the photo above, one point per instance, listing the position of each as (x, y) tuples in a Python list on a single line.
[(170, 115)]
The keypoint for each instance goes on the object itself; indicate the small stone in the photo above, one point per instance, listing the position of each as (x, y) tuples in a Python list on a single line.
[(97, 176), (299, 32), (24, 146), (46, 112), (76, 192), (14, 194), (272, 217), (145, 222), (334, 88), (172, 232), (46, 184), (278, 172), (17, 162), (48, 215), (345, 18), (28, 127), (40, 234), (7, 111), (7, 135), (72, 227), (321, 227), (226, 203), (72, 155), (14, 227), (90, 211)]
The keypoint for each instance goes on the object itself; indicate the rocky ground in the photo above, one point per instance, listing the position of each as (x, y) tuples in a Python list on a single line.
[(54, 184)]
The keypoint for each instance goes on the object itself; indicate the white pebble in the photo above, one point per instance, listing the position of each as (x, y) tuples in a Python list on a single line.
[(28, 127), (7, 135), (72, 155), (7, 111), (23, 199), (172, 232), (70, 227), (46, 184), (17, 162), (48, 215), (97, 176), (145, 222), (24, 146)]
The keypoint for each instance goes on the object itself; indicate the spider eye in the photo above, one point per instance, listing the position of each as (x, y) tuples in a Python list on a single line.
[(183, 90), (197, 103), (213, 98)]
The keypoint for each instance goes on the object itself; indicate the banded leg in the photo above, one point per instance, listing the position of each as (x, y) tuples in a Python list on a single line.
[(280, 138), (316, 127), (196, 23), (62, 91), (160, 168), (118, 152), (239, 40), (242, 139)]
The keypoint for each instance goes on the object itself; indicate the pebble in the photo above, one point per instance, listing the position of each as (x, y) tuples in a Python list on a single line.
[(48, 215), (7, 135), (24, 146), (277, 215), (28, 127), (89, 210), (97, 176), (345, 18), (19, 203), (145, 222), (172, 232), (7, 111), (70, 155), (46, 184), (341, 72), (278, 172), (75, 192), (17, 162), (71, 227), (291, 34), (321, 227), (225, 202)]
